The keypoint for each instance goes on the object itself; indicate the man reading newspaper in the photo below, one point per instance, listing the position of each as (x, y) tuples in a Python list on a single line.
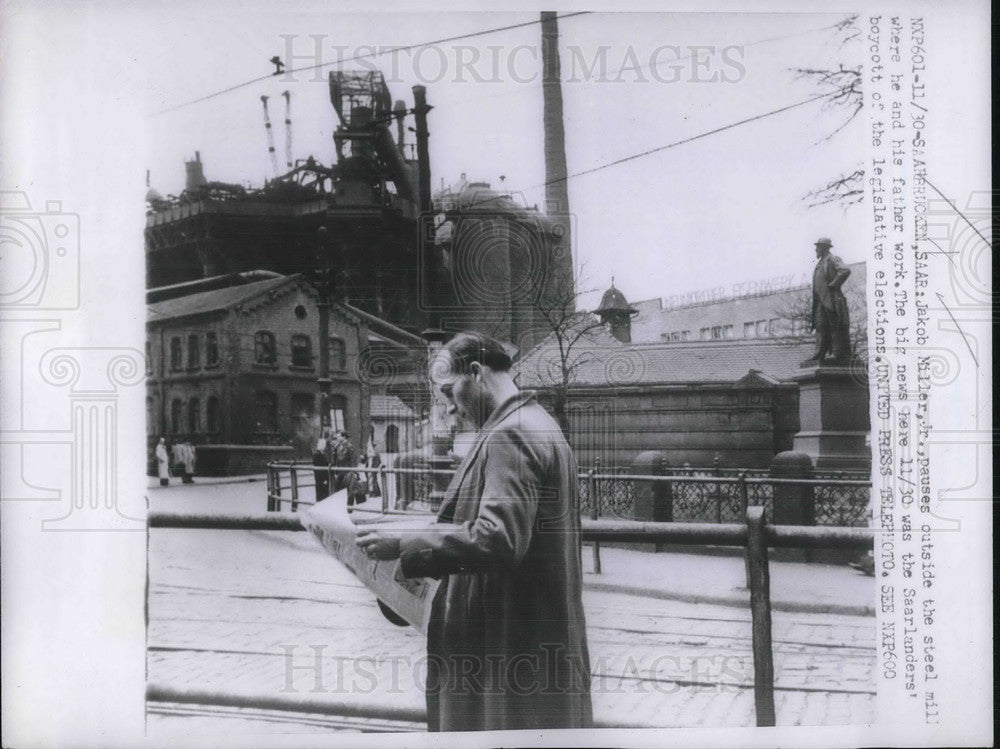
[(506, 640)]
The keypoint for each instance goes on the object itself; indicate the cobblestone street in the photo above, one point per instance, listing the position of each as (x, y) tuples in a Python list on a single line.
[(268, 613)]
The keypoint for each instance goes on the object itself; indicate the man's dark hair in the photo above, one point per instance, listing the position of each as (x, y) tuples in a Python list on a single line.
[(468, 347)]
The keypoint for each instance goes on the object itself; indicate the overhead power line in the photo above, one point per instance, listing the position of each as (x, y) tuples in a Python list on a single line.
[(681, 142), (376, 53)]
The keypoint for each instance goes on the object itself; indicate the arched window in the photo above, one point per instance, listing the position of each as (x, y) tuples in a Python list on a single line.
[(392, 439), (264, 349), (194, 352), (302, 354), (303, 407), (175, 353), (214, 415), (194, 416), (338, 354), (176, 408), (266, 412)]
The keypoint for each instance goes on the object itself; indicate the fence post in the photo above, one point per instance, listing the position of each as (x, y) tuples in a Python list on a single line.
[(744, 506), (653, 499), (760, 611), (295, 488), (718, 489), (794, 504), (594, 499), (274, 504)]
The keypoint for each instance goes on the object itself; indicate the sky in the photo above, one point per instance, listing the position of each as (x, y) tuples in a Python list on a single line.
[(712, 213)]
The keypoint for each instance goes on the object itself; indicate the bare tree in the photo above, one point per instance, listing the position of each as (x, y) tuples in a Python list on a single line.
[(570, 340), (846, 97)]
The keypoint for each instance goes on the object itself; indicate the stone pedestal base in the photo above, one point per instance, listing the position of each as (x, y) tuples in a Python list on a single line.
[(833, 418)]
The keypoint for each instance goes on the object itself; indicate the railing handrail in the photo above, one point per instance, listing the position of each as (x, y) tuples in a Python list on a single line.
[(691, 534), (583, 475)]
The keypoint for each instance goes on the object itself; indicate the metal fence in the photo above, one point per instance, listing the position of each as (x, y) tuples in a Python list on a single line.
[(698, 495), (753, 535)]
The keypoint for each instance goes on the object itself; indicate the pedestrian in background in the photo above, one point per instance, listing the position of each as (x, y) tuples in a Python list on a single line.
[(177, 455), (188, 450), (506, 641), (163, 462), (321, 472)]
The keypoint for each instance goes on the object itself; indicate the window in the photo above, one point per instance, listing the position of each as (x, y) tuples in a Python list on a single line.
[(149, 357), (302, 355), (211, 349), (176, 407), (151, 425), (338, 407), (716, 333), (214, 415), (392, 439), (175, 353), (705, 334), (749, 330), (264, 349), (265, 412), (685, 335), (194, 416), (728, 331), (302, 412), (338, 354), (774, 327), (761, 329), (194, 352)]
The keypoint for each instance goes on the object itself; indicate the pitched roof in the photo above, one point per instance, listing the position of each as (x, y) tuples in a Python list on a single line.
[(599, 364), (390, 407), (211, 301)]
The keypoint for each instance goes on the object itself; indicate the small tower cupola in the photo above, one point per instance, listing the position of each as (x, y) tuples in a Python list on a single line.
[(616, 313)]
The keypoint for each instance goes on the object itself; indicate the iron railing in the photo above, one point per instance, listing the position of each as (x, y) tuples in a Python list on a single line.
[(711, 495), (754, 536)]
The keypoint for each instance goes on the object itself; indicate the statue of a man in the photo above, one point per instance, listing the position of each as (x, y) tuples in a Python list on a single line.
[(830, 317)]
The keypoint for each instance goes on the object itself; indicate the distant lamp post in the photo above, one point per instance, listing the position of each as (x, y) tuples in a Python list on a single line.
[(323, 277)]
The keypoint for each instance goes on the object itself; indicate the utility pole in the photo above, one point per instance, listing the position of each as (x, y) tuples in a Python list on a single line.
[(324, 279), (560, 279), (433, 334)]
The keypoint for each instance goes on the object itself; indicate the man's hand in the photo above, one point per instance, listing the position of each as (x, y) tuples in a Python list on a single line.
[(378, 544)]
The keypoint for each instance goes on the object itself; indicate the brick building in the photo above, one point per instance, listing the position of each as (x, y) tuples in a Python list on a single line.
[(236, 367)]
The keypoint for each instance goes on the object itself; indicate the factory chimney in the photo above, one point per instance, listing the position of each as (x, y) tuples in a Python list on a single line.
[(556, 188), (195, 173)]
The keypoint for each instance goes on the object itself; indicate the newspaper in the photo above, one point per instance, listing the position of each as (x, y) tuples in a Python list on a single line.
[(334, 527)]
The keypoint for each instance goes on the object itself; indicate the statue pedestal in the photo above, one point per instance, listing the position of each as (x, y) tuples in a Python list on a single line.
[(833, 418)]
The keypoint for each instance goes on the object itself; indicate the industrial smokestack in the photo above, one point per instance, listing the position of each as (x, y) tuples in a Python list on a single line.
[(556, 188), (420, 110), (195, 174), (399, 110)]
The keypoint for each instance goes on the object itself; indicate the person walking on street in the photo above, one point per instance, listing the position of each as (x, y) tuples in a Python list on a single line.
[(162, 462), (177, 454), (506, 641), (188, 451), (320, 472)]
